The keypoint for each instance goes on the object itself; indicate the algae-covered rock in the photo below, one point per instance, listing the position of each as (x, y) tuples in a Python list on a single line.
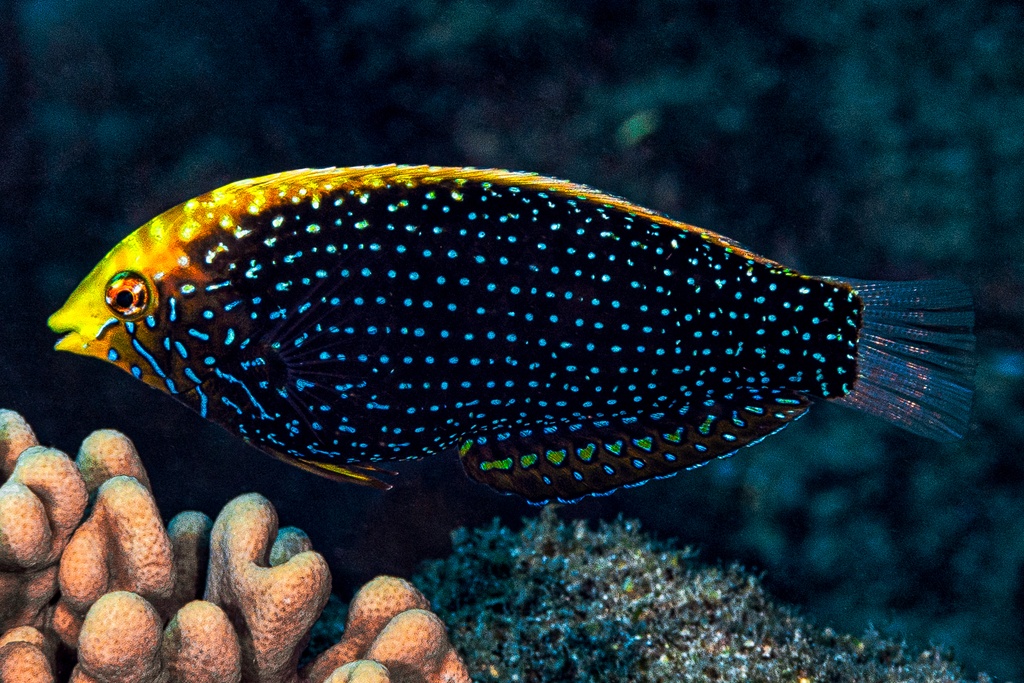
[(561, 602)]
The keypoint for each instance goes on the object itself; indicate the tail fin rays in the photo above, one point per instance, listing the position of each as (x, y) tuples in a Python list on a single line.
[(915, 356)]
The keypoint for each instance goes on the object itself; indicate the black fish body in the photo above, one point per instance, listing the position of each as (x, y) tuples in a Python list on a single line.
[(561, 341)]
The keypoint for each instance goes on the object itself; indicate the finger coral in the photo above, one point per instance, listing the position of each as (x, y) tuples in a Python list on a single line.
[(41, 504), (123, 545), (119, 588), (15, 436), (362, 671), (200, 646), (23, 657), (120, 641), (388, 623), (272, 608)]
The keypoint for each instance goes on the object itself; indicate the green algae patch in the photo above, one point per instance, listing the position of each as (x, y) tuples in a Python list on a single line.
[(561, 602)]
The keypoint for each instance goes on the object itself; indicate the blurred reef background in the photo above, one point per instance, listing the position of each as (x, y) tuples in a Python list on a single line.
[(870, 139)]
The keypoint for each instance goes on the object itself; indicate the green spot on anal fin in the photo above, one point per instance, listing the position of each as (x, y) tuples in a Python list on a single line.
[(705, 426), (674, 437), (569, 462), (645, 443), (505, 464), (555, 457)]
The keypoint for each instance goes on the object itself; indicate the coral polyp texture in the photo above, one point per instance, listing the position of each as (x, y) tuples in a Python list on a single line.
[(112, 596), (389, 623)]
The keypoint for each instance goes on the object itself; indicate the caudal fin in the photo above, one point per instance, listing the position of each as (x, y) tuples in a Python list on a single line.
[(915, 356)]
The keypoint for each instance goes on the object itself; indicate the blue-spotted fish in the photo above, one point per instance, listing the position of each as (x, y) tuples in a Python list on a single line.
[(561, 341)]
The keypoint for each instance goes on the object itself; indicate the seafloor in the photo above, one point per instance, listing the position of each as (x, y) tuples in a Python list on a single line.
[(867, 139)]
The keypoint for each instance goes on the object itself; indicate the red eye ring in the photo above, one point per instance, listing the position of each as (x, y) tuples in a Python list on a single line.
[(127, 295)]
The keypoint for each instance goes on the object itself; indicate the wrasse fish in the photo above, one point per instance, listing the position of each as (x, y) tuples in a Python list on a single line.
[(561, 341)]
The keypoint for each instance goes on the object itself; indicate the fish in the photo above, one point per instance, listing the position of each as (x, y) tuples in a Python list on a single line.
[(560, 341)]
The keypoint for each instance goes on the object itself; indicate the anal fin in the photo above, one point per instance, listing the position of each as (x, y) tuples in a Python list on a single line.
[(570, 460)]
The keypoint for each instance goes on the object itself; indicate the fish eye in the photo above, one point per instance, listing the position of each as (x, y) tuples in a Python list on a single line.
[(127, 295)]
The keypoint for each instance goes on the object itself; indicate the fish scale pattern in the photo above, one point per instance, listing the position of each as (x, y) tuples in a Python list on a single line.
[(455, 311)]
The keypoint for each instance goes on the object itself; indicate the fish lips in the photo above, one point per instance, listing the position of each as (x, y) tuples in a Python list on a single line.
[(75, 339)]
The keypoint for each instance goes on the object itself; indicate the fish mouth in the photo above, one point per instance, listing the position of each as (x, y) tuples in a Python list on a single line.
[(73, 342), (73, 338), (61, 327)]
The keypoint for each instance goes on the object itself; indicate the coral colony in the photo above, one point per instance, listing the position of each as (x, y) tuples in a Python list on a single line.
[(93, 586), (122, 597)]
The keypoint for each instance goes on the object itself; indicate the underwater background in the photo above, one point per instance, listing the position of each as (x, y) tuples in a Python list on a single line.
[(874, 140)]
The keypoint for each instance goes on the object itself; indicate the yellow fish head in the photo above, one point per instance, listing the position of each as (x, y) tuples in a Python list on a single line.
[(121, 293), (119, 289)]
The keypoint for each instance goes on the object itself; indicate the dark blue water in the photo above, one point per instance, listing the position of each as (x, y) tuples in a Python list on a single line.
[(871, 140)]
